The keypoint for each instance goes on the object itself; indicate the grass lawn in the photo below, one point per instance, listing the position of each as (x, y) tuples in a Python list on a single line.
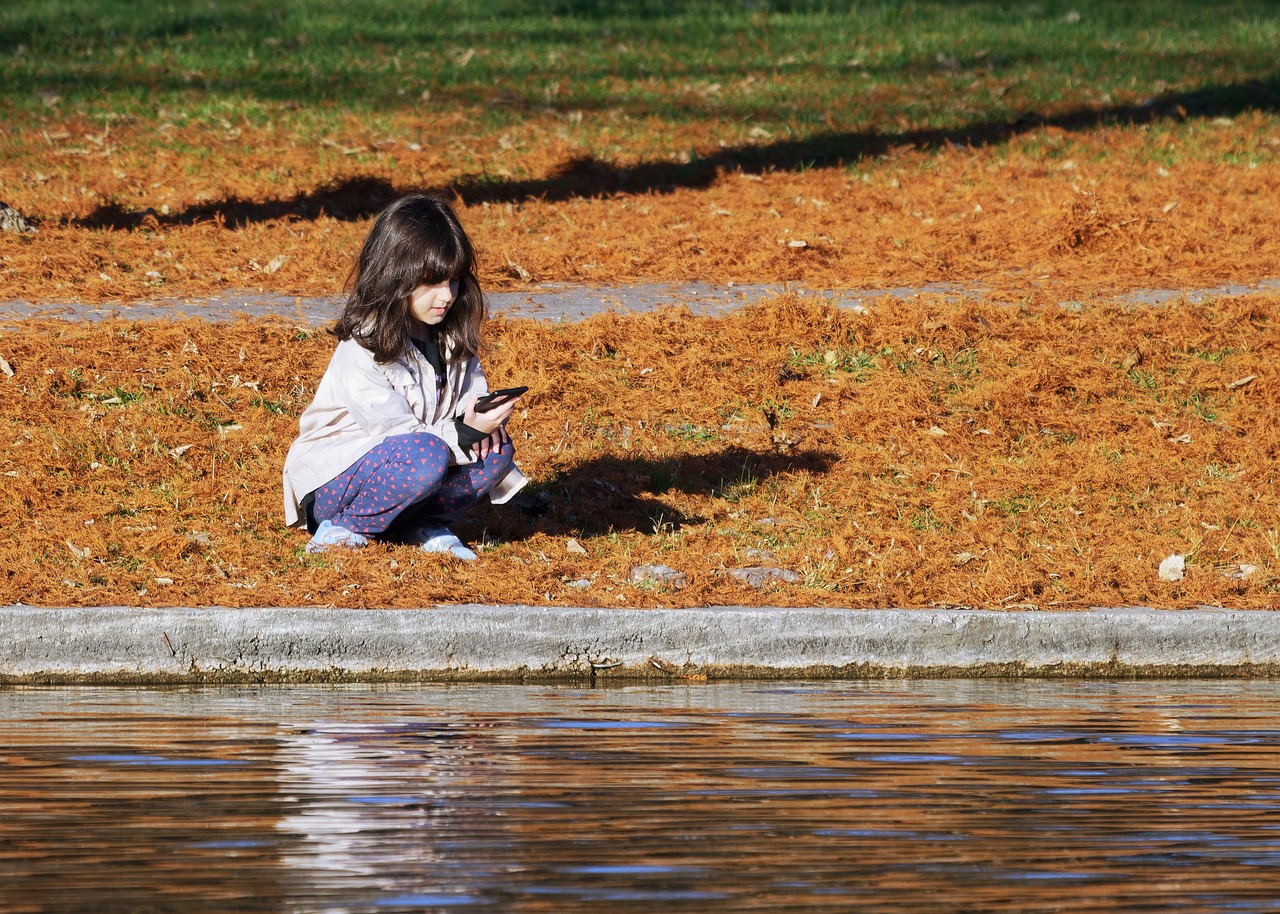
[(925, 453)]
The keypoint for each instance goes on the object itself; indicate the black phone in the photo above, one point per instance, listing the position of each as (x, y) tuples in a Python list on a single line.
[(496, 398)]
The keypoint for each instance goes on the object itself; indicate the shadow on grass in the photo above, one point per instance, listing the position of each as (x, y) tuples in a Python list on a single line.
[(620, 495), (362, 198)]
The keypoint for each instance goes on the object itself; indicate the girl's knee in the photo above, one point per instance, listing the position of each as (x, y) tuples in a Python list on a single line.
[(420, 460), (418, 444)]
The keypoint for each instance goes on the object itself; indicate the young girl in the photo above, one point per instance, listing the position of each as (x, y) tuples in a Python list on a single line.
[(392, 446)]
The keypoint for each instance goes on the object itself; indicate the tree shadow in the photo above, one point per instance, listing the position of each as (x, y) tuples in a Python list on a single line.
[(586, 177), (350, 200), (625, 494)]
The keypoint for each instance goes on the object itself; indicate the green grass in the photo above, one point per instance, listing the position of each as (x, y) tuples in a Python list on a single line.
[(786, 70)]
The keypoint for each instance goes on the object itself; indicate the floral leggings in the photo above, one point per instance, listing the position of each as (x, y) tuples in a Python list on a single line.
[(406, 483)]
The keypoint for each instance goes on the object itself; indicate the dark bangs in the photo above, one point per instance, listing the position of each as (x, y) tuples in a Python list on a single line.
[(447, 255)]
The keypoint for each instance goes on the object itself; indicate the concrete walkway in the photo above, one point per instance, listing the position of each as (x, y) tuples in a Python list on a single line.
[(528, 643), (567, 302)]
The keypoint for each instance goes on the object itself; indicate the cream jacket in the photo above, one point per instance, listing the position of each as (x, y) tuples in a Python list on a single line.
[(359, 403)]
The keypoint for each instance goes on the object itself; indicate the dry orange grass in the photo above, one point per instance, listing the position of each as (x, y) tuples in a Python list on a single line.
[(922, 453), (1051, 214)]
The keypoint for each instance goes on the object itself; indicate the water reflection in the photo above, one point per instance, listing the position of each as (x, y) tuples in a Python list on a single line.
[(911, 796)]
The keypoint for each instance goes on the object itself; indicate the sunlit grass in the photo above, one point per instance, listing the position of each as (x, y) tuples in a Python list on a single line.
[(787, 71)]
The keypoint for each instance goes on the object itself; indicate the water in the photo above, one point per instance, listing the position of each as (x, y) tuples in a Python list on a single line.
[(896, 796)]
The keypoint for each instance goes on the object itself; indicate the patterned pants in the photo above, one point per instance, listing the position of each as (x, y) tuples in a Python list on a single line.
[(405, 483)]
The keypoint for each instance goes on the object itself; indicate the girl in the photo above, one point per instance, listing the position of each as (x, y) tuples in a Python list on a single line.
[(392, 446)]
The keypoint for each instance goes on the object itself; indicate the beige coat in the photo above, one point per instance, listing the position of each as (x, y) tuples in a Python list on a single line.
[(359, 403)]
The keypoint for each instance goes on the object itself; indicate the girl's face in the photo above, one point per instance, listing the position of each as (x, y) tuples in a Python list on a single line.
[(430, 304)]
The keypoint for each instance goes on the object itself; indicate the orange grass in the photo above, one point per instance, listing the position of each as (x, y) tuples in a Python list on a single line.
[(921, 453), (1050, 214)]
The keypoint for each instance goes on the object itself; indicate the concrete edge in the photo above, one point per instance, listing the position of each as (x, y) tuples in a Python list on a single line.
[(120, 645)]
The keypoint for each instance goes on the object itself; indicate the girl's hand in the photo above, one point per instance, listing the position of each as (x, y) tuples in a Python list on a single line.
[(494, 443), (492, 422)]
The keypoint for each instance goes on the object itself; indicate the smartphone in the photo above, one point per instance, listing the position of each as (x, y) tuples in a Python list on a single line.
[(496, 398)]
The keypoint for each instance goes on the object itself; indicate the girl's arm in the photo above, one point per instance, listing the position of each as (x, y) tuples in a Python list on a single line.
[(386, 400), (372, 402)]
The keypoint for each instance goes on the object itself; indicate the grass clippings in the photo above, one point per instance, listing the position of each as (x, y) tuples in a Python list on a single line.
[(920, 453)]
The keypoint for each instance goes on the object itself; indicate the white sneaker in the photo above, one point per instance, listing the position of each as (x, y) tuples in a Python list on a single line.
[(330, 534), (440, 539)]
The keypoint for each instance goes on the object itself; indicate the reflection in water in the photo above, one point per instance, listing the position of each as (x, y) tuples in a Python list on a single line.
[(897, 796)]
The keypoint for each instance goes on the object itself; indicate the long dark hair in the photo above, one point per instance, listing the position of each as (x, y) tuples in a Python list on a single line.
[(416, 240)]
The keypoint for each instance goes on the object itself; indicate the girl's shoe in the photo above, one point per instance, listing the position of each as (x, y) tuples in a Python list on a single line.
[(330, 534), (440, 539)]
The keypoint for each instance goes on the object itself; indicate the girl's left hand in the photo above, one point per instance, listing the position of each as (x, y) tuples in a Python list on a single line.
[(493, 444)]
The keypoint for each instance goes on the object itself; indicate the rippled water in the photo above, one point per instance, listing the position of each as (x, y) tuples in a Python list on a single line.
[(900, 796)]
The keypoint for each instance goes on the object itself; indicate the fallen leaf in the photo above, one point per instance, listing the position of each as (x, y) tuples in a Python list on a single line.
[(179, 450), (1241, 382), (6, 368), (518, 271), (76, 550), (574, 547)]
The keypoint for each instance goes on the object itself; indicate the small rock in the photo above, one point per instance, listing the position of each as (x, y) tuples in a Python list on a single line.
[(11, 221), (758, 576), (1173, 568), (1240, 572), (658, 574), (579, 584), (573, 547)]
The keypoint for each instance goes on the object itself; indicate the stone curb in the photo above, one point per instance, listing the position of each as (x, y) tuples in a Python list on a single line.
[(526, 643)]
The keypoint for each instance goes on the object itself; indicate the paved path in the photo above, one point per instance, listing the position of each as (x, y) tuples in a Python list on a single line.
[(211, 644), (565, 302)]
